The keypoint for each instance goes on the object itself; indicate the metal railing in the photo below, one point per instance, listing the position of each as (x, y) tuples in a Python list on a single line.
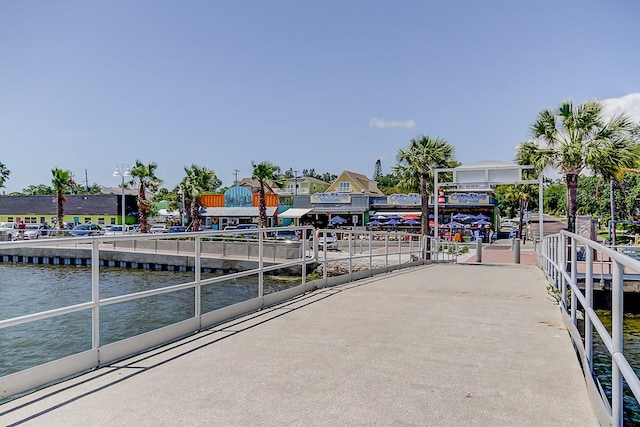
[(359, 254), (568, 259)]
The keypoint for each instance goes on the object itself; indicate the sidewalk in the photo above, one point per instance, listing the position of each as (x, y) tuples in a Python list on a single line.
[(444, 345)]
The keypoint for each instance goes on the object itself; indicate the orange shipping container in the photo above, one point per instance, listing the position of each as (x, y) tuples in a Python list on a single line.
[(213, 200), (271, 200)]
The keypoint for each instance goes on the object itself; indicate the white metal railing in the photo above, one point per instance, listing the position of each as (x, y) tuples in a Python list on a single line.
[(566, 258), (359, 254)]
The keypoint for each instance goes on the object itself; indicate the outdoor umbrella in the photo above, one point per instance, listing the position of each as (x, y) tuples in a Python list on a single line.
[(453, 224), (412, 222), (337, 220), (481, 222), (411, 217), (374, 223), (378, 217), (482, 216), (392, 222), (394, 216), (460, 216)]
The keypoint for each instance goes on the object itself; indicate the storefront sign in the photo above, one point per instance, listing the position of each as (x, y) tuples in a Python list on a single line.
[(404, 199), (468, 199), (330, 198)]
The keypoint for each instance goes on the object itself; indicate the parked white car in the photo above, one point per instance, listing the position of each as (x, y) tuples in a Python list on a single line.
[(33, 231), (329, 239), (9, 230), (158, 228), (117, 229)]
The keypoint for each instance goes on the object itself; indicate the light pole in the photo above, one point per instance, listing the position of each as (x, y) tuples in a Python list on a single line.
[(122, 172)]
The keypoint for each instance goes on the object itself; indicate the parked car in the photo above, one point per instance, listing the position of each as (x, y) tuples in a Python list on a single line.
[(287, 235), (86, 230), (158, 228), (328, 239), (34, 231), (9, 230), (117, 229), (177, 229), (246, 227)]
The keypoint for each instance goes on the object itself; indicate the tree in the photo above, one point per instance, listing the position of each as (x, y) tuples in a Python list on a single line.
[(198, 181), (4, 174), (416, 165), (62, 179), (263, 172), (377, 170), (145, 178), (572, 138)]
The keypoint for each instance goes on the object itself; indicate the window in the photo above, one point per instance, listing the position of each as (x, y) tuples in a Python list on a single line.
[(42, 220), (344, 187), (30, 220), (9, 219), (101, 221), (113, 221), (87, 220)]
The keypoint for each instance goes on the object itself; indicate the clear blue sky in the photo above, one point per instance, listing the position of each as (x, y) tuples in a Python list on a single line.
[(329, 85)]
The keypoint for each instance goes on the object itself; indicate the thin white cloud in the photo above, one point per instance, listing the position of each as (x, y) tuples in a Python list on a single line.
[(628, 104), (380, 123)]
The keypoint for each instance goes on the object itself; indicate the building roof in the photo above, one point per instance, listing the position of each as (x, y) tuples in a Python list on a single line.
[(361, 184), (96, 204)]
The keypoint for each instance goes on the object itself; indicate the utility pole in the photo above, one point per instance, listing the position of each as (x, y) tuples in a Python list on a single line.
[(235, 172), (295, 179)]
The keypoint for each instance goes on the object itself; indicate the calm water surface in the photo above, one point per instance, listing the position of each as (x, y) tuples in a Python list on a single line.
[(27, 289)]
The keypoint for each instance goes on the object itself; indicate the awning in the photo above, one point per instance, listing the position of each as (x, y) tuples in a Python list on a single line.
[(252, 211), (294, 213), (338, 210), (387, 213)]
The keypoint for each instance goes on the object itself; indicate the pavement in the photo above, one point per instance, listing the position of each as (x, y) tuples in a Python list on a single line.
[(439, 345)]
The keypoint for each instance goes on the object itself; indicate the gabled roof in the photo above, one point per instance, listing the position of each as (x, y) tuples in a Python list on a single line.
[(254, 185), (361, 184)]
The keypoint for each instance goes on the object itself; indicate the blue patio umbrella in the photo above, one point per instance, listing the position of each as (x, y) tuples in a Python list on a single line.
[(394, 216), (460, 216), (431, 216), (412, 222), (453, 224), (482, 216), (481, 222), (336, 220), (392, 222), (378, 217), (374, 223)]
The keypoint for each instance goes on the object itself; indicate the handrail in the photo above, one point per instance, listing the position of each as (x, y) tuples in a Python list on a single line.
[(365, 252), (562, 258)]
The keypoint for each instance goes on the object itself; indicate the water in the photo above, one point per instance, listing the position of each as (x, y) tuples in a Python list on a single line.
[(27, 289)]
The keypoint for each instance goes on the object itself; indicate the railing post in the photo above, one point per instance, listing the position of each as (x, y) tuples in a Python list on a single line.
[(261, 265), (197, 276), (386, 249), (574, 268), (95, 294), (478, 250), (617, 319), (588, 327), (563, 268), (516, 251)]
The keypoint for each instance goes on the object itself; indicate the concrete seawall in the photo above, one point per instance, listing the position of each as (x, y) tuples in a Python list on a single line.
[(171, 255)]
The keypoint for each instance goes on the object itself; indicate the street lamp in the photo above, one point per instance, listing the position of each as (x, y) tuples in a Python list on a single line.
[(122, 172)]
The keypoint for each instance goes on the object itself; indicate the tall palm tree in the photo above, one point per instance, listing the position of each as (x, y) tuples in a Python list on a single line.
[(145, 178), (198, 181), (627, 152), (4, 174), (572, 138), (416, 165), (263, 172), (62, 179)]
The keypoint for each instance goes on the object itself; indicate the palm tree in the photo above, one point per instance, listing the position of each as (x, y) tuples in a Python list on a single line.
[(263, 172), (145, 178), (4, 174), (416, 165), (198, 181), (62, 179), (575, 138)]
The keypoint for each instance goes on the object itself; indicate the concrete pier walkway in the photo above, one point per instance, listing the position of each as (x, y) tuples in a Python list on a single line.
[(444, 345)]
